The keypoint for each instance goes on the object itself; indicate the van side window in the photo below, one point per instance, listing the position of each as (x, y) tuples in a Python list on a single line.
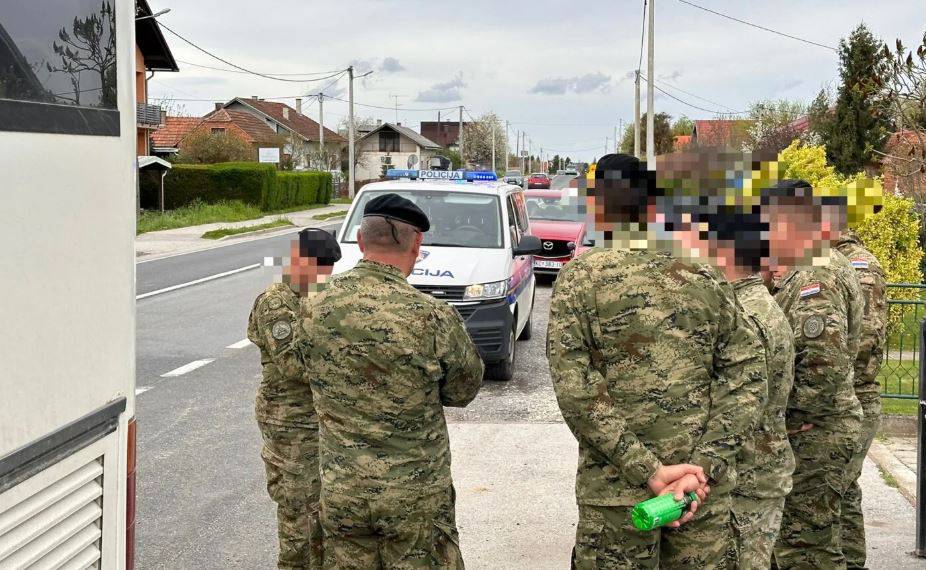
[(521, 211), (513, 229)]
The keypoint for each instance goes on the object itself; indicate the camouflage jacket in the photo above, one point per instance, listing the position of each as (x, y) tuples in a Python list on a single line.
[(873, 337), (823, 305), (283, 397), (766, 463), (652, 363), (384, 360)]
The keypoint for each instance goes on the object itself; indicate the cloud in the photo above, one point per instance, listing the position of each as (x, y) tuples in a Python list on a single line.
[(336, 90), (442, 92), (579, 84), (391, 65), (791, 84)]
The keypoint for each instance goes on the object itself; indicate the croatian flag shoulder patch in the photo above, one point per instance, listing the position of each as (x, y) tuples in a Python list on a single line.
[(809, 290), (859, 263)]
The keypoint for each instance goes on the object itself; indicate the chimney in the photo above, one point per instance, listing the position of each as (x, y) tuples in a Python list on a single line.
[(254, 97), (379, 122), (286, 113), (163, 117), (398, 124), (218, 106), (299, 105)]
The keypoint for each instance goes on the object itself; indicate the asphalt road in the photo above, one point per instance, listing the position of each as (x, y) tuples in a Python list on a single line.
[(201, 497), (165, 272), (560, 181)]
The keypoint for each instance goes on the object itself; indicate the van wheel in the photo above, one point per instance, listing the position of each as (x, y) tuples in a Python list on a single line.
[(526, 332), (504, 369)]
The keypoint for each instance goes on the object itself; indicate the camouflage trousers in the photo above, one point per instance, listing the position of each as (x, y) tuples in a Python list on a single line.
[(290, 457), (811, 533), (606, 539), (756, 523), (390, 532), (853, 522)]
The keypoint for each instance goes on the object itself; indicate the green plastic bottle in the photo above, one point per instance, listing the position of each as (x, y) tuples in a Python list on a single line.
[(660, 511)]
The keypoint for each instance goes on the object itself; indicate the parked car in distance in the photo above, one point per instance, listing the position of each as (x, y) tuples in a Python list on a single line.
[(538, 180), (556, 220), (571, 172), (515, 177)]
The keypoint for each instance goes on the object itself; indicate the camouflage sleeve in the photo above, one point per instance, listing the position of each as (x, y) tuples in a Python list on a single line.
[(581, 389), (824, 355), (739, 391), (460, 362), (874, 324), (273, 330)]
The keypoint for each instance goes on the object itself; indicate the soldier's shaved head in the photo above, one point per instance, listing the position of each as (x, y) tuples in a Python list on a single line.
[(384, 235)]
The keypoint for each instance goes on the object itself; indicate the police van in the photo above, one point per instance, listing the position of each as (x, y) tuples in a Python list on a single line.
[(477, 256)]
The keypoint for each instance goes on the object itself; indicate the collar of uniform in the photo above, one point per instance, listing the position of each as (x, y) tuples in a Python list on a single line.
[(848, 236), (383, 269), (747, 282)]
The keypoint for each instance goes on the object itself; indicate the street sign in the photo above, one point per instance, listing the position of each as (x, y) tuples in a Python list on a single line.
[(268, 155)]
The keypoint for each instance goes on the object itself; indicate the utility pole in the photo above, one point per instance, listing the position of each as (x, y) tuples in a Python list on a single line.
[(506, 145), (350, 133), (321, 130), (493, 146), (616, 150), (517, 149), (636, 115), (462, 160), (650, 75)]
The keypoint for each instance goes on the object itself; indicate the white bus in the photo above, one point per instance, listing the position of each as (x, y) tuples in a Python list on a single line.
[(67, 292)]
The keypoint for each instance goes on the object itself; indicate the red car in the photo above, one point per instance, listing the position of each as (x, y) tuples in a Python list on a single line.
[(538, 180), (556, 220)]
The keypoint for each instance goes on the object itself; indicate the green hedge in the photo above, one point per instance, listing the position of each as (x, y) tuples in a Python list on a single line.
[(250, 182)]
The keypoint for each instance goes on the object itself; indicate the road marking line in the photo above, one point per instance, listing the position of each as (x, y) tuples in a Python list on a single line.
[(187, 368), (142, 389), (197, 281), (240, 344)]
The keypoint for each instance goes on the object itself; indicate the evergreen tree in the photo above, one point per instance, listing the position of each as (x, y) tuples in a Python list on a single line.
[(859, 122)]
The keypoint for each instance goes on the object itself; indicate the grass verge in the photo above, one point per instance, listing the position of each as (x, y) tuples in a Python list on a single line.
[(196, 214), (329, 215), (223, 232), (899, 377), (888, 478), (341, 201)]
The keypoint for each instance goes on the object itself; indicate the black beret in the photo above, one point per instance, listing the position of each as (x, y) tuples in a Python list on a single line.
[(395, 207), (317, 243), (800, 190)]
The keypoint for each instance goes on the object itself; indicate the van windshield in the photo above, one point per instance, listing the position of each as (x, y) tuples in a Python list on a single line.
[(458, 219)]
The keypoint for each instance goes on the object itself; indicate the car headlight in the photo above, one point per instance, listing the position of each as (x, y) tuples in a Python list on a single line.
[(486, 290)]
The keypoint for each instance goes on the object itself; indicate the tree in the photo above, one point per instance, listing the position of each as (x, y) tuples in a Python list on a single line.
[(90, 46), (204, 147), (859, 123), (665, 140), (682, 126), (771, 130), (477, 141)]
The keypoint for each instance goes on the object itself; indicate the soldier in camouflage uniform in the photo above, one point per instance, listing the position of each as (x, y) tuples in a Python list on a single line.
[(824, 416), (385, 359), (654, 370), (284, 409), (867, 364)]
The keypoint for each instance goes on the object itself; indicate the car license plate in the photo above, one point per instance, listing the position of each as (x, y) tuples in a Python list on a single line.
[(547, 264)]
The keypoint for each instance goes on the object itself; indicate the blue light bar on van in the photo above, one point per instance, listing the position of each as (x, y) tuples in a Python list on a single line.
[(460, 175)]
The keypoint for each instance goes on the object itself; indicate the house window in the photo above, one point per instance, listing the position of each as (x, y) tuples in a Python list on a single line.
[(388, 141), (218, 131), (60, 54)]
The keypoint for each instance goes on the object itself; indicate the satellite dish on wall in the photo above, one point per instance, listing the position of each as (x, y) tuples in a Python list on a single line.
[(412, 161)]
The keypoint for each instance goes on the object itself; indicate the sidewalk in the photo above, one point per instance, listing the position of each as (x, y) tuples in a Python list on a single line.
[(162, 243), (896, 457)]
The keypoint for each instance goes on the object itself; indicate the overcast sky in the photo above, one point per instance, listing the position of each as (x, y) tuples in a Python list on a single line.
[(561, 72)]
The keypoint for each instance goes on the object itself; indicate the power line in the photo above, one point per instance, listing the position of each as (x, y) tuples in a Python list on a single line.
[(248, 72), (692, 105), (757, 26), (244, 69), (674, 88), (642, 34), (393, 108)]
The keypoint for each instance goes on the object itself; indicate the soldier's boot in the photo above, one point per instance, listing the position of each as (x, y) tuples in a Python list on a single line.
[(756, 523), (853, 521), (606, 538)]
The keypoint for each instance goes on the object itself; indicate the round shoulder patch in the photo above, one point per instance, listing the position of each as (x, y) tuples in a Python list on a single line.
[(275, 303), (281, 330), (813, 326)]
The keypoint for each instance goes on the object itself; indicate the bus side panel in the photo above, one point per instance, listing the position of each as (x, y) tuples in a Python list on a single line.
[(67, 229)]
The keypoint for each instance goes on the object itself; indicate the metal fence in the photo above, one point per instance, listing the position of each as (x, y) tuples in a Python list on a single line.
[(899, 374)]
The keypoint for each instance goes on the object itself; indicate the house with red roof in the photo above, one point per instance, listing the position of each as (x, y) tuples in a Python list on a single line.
[(726, 133), (902, 164)]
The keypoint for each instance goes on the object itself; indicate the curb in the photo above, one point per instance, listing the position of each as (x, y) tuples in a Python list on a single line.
[(905, 477), (256, 232)]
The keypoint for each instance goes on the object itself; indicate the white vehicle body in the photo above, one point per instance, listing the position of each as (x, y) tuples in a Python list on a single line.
[(472, 257), (67, 295)]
